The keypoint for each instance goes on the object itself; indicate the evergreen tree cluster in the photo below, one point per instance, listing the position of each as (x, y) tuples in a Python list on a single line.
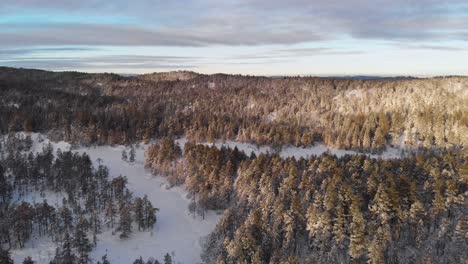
[(130, 157), (352, 209), (207, 172), (92, 201), (168, 259), (161, 158)]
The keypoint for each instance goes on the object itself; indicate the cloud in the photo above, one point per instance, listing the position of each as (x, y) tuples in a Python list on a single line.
[(77, 34), (294, 33), (103, 62), (429, 47), (234, 23), (15, 52), (295, 53)]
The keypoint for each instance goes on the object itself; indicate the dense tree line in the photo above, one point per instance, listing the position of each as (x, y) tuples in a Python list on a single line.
[(352, 209), (348, 210), (353, 114), (207, 172), (92, 201)]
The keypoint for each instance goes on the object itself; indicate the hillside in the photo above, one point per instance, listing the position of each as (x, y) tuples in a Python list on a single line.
[(344, 113)]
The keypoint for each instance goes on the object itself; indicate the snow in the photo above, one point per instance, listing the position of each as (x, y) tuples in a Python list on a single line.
[(53, 198), (272, 116), (40, 249), (12, 104), (300, 152), (176, 231), (354, 93)]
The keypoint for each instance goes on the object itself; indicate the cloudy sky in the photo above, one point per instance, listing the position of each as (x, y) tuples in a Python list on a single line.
[(267, 37)]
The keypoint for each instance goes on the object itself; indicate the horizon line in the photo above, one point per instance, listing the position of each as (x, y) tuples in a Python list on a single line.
[(303, 75)]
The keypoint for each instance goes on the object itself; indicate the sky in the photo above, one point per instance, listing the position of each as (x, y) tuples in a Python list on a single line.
[(256, 37)]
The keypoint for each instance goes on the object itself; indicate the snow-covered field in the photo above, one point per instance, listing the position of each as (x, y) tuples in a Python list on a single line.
[(176, 231)]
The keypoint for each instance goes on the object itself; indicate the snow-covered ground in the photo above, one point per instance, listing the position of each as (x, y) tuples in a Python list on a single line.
[(176, 230), (298, 152)]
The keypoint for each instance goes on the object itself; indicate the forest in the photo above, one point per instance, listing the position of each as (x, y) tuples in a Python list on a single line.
[(315, 209), (364, 115), (324, 209), (92, 202)]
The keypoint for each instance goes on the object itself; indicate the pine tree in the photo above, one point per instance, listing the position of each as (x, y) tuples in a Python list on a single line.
[(149, 213), (5, 187), (81, 242), (339, 224), (381, 206), (366, 137), (28, 260), (28, 143), (132, 154), (357, 230), (23, 222), (139, 261), (167, 259), (110, 212), (125, 222), (105, 260), (95, 225), (124, 155), (5, 256), (139, 216), (67, 218), (378, 245), (379, 139), (65, 253)]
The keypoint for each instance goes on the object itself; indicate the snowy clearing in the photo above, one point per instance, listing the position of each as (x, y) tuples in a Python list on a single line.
[(300, 152)]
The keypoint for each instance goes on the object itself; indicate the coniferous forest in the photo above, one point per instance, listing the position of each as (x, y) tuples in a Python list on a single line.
[(92, 202), (363, 115), (274, 209), (325, 209)]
